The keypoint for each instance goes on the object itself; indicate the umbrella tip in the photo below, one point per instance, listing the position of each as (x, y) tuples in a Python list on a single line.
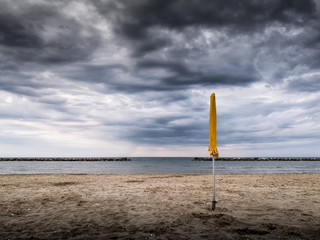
[(213, 205)]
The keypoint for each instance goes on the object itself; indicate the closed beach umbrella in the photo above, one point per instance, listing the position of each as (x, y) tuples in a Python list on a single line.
[(213, 149), (213, 127)]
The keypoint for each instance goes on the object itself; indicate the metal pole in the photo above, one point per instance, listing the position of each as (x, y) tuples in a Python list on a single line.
[(213, 180)]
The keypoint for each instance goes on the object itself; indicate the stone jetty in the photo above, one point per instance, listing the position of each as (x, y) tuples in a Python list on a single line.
[(258, 159), (65, 159)]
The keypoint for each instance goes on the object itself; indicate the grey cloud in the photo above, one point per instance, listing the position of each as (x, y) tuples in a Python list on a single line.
[(168, 136), (161, 98), (162, 57), (165, 118), (277, 122), (40, 32), (19, 83), (103, 73), (161, 131), (53, 100), (153, 43), (135, 19), (149, 30), (184, 76), (25, 83), (305, 83)]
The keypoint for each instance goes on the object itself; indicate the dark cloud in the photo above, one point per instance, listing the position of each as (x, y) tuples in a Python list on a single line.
[(153, 43), (184, 76), (135, 19), (162, 131), (102, 73), (18, 83), (40, 32), (157, 33)]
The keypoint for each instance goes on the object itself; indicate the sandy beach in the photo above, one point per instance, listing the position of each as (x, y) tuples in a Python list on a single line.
[(159, 206)]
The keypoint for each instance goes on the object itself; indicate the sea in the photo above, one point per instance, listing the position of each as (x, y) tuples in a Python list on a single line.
[(145, 165)]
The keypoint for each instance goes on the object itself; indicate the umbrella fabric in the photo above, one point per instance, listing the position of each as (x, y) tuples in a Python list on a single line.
[(213, 127)]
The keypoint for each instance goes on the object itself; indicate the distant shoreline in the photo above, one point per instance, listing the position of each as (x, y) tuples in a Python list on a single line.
[(76, 159), (124, 159), (258, 159)]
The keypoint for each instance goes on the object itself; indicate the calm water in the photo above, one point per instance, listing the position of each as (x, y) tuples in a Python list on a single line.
[(160, 165)]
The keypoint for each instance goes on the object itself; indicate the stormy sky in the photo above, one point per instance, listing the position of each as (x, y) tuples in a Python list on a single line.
[(134, 77)]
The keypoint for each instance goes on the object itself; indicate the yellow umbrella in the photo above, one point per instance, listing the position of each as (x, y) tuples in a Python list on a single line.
[(213, 127), (213, 140)]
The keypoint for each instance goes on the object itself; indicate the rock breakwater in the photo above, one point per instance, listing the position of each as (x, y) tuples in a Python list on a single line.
[(65, 159), (258, 159)]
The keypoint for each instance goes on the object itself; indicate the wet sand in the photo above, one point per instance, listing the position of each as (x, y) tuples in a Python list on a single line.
[(159, 206)]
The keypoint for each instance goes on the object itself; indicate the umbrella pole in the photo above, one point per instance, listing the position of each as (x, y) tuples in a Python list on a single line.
[(213, 180)]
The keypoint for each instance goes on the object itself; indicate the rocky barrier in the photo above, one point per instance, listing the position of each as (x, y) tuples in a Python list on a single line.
[(257, 159), (64, 159)]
